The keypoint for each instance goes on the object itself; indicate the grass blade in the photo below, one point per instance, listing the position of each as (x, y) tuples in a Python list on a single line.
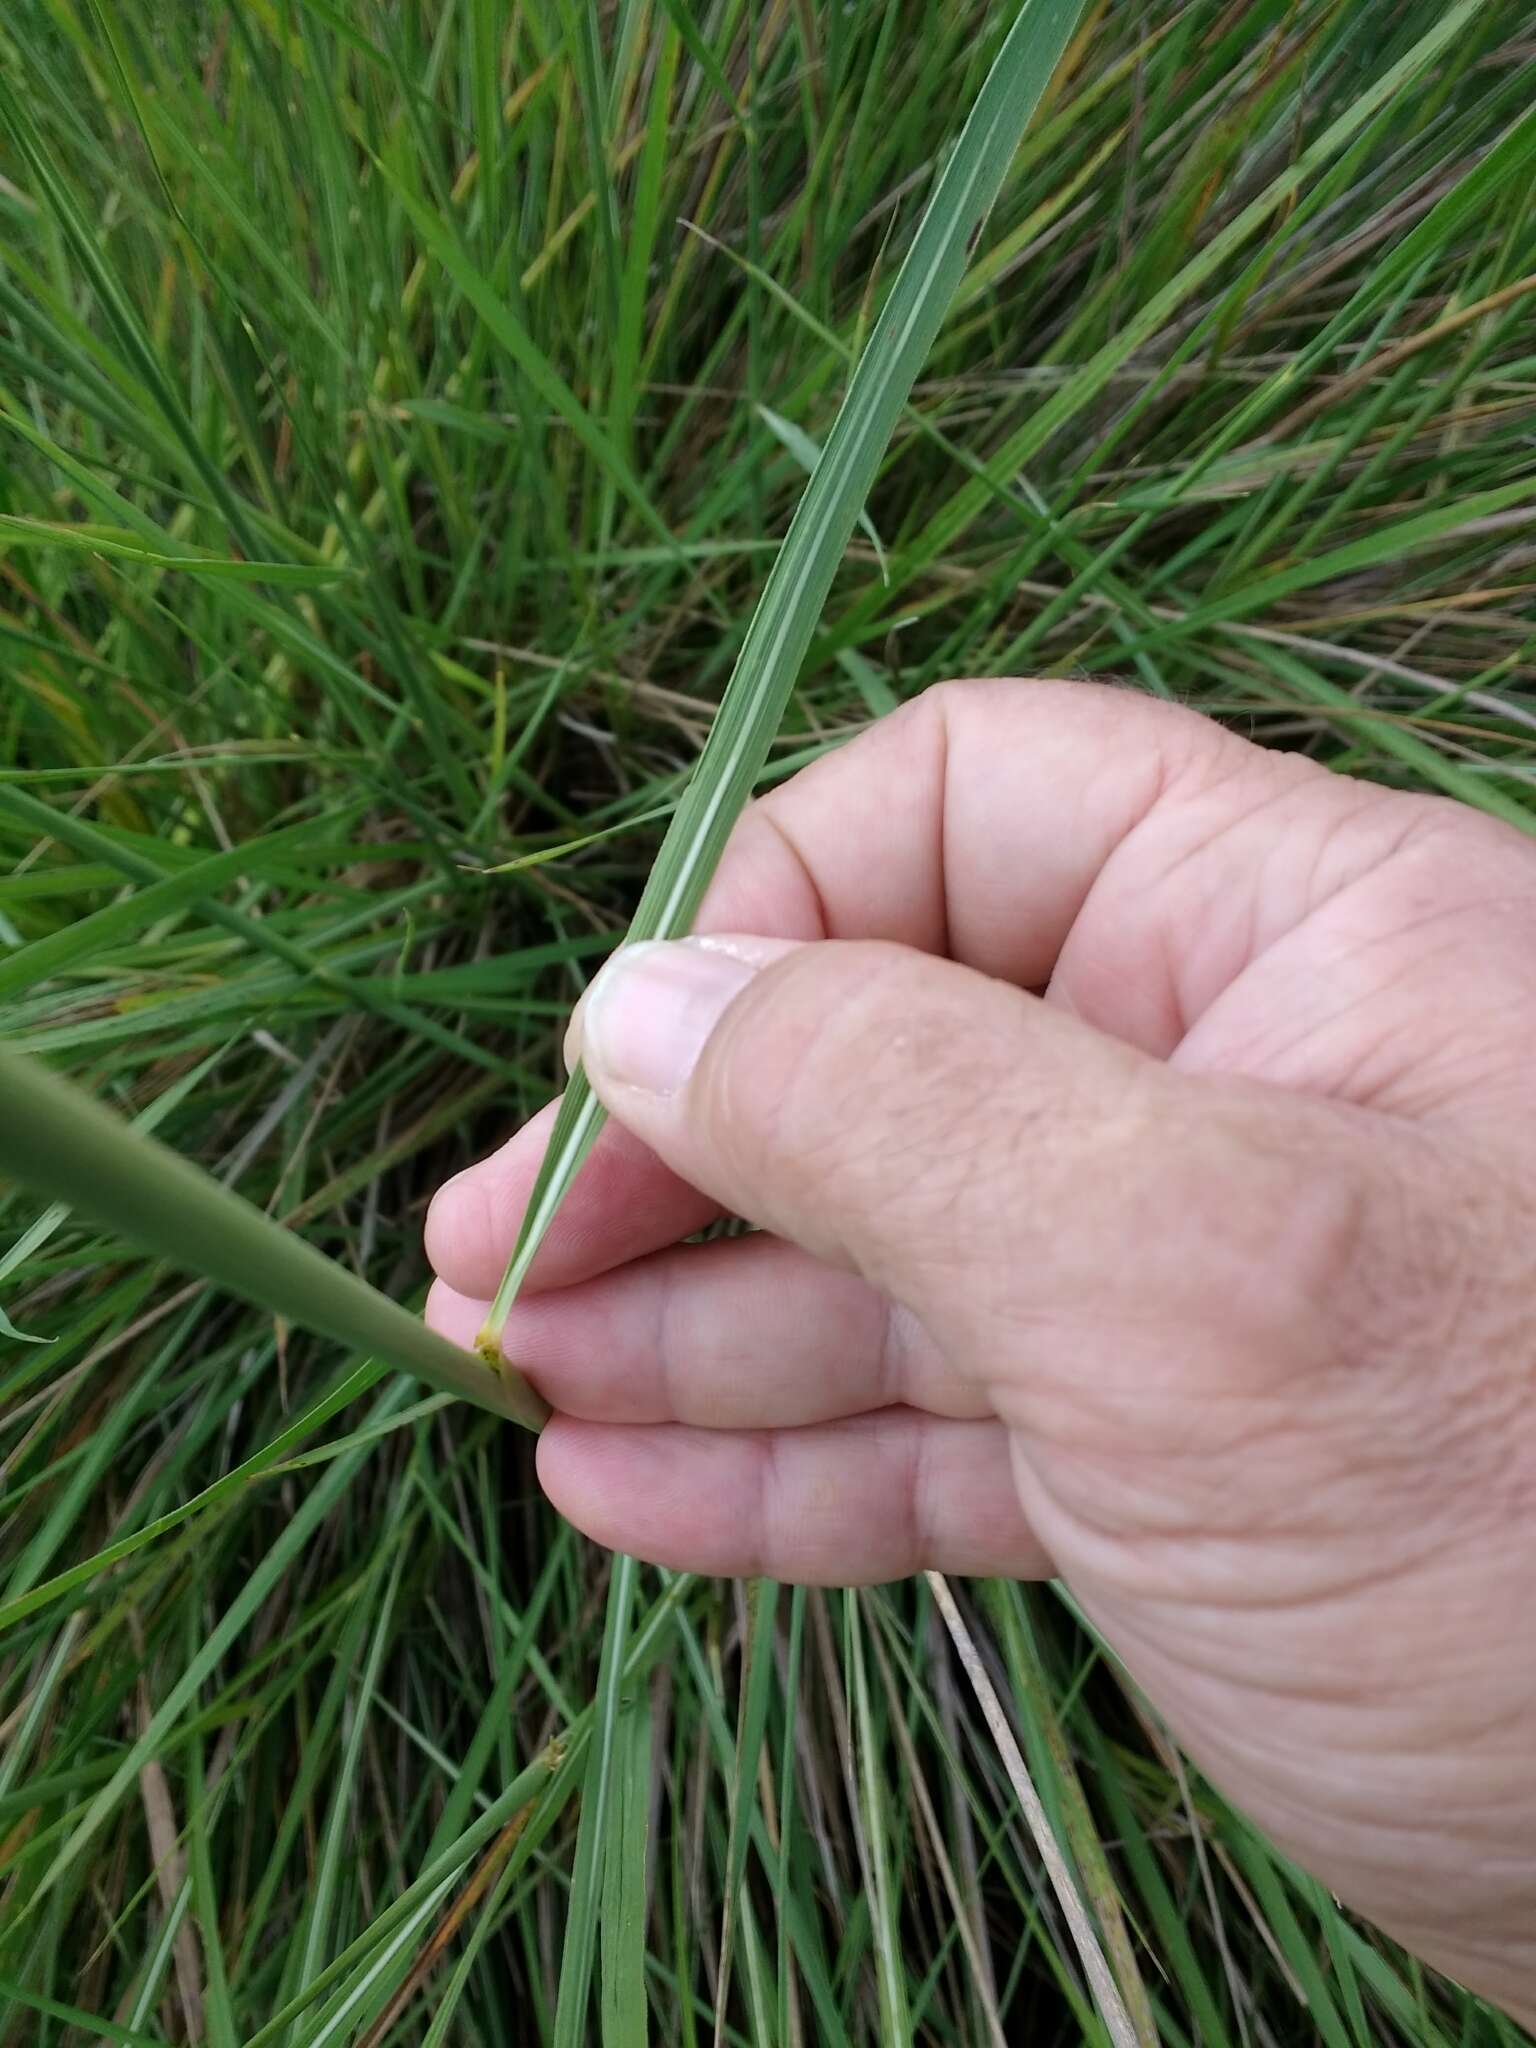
[(622, 1943), (444, 246), (57, 1140), (752, 1725), (780, 632), (601, 1814)]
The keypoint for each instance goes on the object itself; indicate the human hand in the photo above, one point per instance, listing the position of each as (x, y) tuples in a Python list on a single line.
[(1205, 1278)]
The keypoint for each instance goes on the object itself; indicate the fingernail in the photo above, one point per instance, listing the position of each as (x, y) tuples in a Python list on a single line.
[(646, 1017)]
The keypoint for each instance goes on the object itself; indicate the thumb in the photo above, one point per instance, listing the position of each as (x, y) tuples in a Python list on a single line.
[(971, 1150)]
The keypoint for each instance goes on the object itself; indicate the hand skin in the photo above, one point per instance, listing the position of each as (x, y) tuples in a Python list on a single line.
[(1142, 1131)]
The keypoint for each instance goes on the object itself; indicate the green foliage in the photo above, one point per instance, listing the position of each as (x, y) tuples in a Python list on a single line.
[(399, 411)]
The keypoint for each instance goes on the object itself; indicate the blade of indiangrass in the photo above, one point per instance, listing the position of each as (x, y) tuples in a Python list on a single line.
[(796, 442), (681, 16), (788, 1815), (548, 1783), (91, 2024), (1061, 1788), (43, 1227), (884, 1910), (785, 619), (947, 526), (62, 949), (60, 823), (258, 1586), (137, 350), (329, 1864), (59, 1141), (441, 242)]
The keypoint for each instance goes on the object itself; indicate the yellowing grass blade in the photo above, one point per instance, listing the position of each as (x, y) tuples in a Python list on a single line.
[(781, 627)]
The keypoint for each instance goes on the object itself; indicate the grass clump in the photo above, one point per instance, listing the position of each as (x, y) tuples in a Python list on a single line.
[(393, 449)]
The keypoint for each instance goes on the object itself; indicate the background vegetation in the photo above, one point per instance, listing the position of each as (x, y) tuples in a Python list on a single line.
[(500, 334)]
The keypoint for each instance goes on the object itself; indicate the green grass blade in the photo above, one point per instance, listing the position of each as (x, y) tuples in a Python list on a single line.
[(90, 2024), (1106, 1992), (59, 1142), (135, 343), (18, 531), (350, 1388), (896, 2020), (785, 620), (1089, 379), (235, 1618), (1055, 1767), (73, 944), (601, 1815), (622, 2002)]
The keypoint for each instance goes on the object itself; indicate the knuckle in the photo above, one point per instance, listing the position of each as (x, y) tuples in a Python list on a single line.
[(1468, 1364), (1342, 1258)]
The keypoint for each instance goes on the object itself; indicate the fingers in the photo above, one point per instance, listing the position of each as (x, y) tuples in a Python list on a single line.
[(988, 1160), (1031, 830), (1126, 852), (746, 1333), (841, 1503), (972, 822), (918, 832), (624, 1203)]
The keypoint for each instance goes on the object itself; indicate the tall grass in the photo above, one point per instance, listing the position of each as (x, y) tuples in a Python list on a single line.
[(392, 454)]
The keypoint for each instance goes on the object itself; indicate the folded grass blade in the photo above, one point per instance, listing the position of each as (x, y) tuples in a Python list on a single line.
[(781, 628)]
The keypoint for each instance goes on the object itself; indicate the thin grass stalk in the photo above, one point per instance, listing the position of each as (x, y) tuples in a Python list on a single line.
[(58, 1141), (1106, 1992), (780, 631)]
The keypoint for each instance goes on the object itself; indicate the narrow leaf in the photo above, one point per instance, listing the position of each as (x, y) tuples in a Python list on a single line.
[(444, 245), (780, 632), (121, 545), (598, 1815), (59, 1141)]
